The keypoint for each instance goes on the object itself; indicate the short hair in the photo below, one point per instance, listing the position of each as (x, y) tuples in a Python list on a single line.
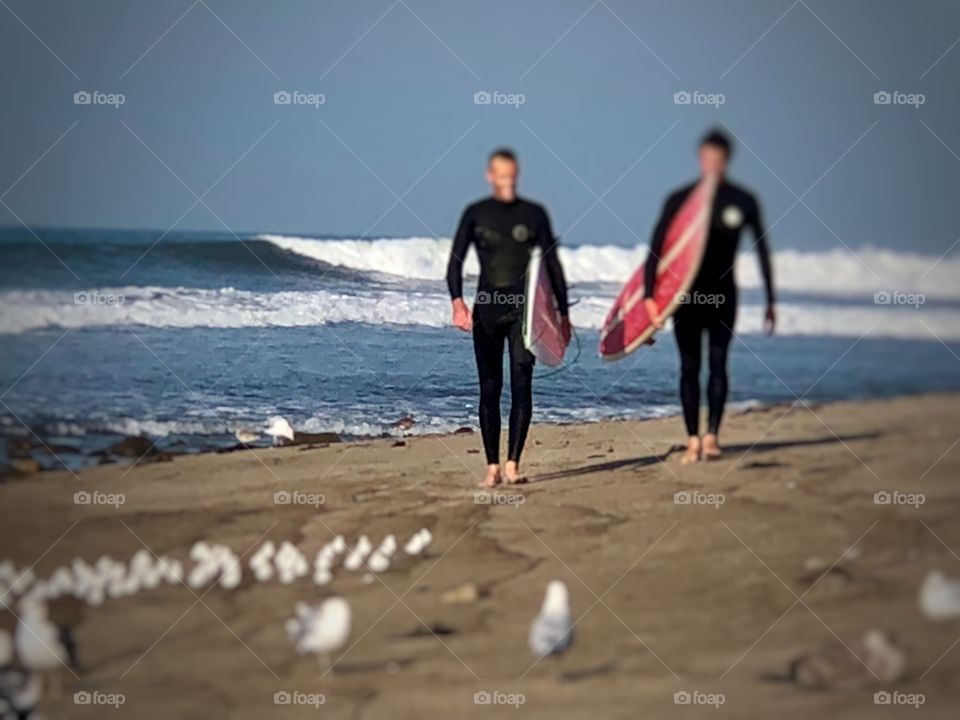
[(504, 153), (719, 139)]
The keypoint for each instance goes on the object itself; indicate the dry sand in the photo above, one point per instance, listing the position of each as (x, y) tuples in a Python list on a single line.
[(669, 597)]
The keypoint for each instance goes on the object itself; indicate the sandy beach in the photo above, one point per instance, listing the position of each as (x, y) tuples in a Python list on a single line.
[(704, 596)]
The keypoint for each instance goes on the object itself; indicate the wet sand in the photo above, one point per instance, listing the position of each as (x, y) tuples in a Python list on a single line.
[(669, 596)]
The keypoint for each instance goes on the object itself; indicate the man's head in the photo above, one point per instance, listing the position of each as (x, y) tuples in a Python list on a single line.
[(502, 171), (714, 153)]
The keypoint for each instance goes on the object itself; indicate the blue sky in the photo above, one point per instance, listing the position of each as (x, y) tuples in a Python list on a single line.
[(598, 117)]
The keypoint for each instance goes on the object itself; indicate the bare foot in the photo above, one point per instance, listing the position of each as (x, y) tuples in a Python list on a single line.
[(711, 451), (493, 477), (514, 476), (692, 453)]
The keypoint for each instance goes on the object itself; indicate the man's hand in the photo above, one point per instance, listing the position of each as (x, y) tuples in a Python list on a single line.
[(565, 329), (653, 312), (770, 320), (461, 315)]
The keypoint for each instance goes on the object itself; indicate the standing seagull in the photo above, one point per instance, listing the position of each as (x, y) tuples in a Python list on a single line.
[(321, 630), (940, 596), (41, 645), (552, 630)]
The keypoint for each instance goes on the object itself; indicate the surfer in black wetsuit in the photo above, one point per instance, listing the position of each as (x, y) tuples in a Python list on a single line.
[(504, 229), (711, 304)]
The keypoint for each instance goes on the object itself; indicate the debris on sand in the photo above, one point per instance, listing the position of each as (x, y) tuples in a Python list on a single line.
[(877, 660)]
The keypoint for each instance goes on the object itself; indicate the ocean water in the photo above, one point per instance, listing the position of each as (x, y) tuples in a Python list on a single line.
[(187, 337)]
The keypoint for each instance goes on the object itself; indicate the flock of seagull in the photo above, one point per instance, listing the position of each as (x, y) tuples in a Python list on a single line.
[(39, 646)]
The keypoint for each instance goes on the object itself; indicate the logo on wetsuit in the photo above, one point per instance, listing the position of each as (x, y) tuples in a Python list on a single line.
[(520, 233), (732, 217)]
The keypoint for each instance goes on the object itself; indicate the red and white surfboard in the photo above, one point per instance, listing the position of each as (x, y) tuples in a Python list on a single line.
[(542, 334), (628, 326)]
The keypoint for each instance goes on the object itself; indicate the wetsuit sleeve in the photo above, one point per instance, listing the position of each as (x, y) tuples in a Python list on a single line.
[(670, 208), (763, 249), (551, 256), (458, 252)]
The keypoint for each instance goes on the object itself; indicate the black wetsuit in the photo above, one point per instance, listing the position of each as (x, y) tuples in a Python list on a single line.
[(504, 234), (712, 300)]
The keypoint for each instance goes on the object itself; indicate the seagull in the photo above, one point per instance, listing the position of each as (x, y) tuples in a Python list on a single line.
[(261, 561), (321, 630), (355, 558), (230, 567), (388, 546), (323, 565), (61, 582), (171, 571), (279, 429), (875, 660), (16, 582), (940, 596), (41, 645), (378, 562), (551, 632), (290, 563), (418, 542)]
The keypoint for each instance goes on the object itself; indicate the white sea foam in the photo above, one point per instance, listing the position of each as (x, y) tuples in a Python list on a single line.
[(839, 272), (161, 307)]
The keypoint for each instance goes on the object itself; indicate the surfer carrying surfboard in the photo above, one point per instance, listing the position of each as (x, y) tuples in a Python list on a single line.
[(710, 304), (504, 229)]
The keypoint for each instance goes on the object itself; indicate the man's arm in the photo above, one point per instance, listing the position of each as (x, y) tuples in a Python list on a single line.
[(766, 267), (462, 317), (763, 251), (458, 253), (551, 256)]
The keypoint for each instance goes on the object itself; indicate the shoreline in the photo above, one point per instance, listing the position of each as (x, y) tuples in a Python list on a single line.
[(670, 596), (146, 449)]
